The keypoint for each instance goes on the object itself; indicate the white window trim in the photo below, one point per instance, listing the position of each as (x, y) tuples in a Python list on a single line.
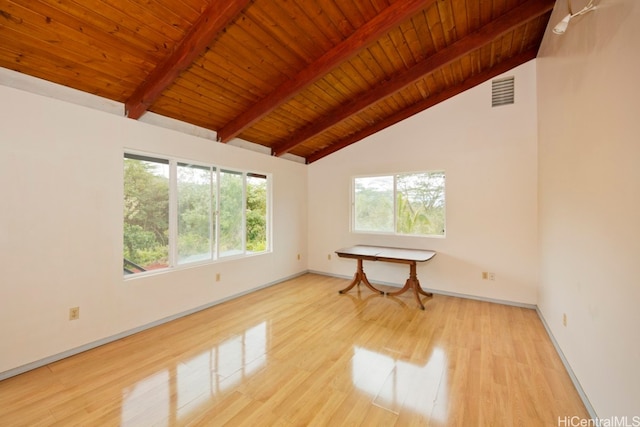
[(173, 214), (352, 219)]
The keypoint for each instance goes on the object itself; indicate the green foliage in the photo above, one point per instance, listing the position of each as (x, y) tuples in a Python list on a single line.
[(192, 244), (146, 213), (374, 204), (136, 239), (194, 212), (256, 221), (419, 203), (230, 217)]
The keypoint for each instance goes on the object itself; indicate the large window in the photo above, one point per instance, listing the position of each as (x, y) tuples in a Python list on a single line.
[(178, 213), (409, 204)]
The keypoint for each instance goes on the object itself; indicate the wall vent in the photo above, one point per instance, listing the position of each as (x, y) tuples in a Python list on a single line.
[(502, 91)]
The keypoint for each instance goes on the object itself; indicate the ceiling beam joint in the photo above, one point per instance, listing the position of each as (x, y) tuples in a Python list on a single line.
[(371, 31), (515, 17), (206, 29), (429, 102)]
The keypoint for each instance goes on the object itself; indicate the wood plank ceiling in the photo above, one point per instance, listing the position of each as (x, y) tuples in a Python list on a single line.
[(306, 77)]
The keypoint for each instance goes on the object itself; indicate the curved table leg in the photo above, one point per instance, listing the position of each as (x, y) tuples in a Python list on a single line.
[(369, 285), (405, 288), (412, 283), (355, 281), (422, 291), (360, 276)]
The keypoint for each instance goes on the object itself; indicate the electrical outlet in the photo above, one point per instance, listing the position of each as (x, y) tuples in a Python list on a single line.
[(74, 313), (298, 257), (488, 275), (564, 319), (329, 257), (217, 277)]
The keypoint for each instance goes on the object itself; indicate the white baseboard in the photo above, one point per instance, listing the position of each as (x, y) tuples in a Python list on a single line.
[(565, 362), (574, 379), (54, 358), (77, 350), (438, 292)]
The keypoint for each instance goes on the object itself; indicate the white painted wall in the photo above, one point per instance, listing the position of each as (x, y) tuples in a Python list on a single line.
[(589, 171), (61, 206), (489, 156), (61, 227)]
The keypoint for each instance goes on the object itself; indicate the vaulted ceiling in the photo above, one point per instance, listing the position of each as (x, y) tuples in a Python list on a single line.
[(306, 77)]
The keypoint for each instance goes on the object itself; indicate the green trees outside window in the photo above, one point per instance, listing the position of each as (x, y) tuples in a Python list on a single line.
[(146, 212), (374, 204), (196, 203), (409, 204), (217, 213), (256, 214), (231, 215)]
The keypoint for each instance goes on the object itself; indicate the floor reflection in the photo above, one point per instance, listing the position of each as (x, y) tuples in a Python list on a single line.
[(396, 384), (299, 354), (147, 399), (175, 392)]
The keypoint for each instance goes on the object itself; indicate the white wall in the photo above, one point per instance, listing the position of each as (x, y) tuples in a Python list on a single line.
[(61, 209), (589, 171), (489, 156), (61, 227)]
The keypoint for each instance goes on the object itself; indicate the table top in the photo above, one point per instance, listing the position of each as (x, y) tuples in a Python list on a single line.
[(383, 252)]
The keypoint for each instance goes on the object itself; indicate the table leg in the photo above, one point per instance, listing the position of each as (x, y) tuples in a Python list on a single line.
[(412, 283), (422, 291), (360, 276)]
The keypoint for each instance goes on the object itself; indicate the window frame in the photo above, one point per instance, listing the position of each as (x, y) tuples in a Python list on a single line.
[(215, 170), (212, 215), (160, 160), (395, 175)]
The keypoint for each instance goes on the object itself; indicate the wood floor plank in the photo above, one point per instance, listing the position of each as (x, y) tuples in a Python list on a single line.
[(298, 353)]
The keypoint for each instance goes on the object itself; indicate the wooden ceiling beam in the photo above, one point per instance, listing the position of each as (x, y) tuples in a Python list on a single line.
[(388, 19), (486, 34), (213, 20), (429, 102)]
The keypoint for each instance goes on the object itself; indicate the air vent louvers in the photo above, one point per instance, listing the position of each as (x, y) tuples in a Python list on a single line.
[(502, 91)]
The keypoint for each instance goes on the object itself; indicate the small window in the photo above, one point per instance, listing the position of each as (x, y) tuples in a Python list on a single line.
[(407, 204), (231, 213), (374, 204), (256, 212), (196, 222), (146, 213)]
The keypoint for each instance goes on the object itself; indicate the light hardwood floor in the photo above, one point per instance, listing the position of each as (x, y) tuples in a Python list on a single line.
[(298, 354)]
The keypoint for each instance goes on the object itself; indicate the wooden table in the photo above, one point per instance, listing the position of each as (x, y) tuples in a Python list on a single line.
[(382, 253)]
